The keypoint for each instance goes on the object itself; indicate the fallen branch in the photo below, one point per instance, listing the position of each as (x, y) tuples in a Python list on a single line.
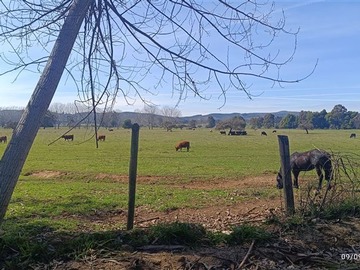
[(156, 248), (247, 255)]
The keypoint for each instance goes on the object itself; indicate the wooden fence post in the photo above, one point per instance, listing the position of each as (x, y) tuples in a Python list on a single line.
[(286, 174), (132, 174)]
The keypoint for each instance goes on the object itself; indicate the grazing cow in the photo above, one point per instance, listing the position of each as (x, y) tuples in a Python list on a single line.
[(111, 129), (3, 139), (68, 137), (352, 135), (263, 133), (222, 132), (274, 131), (307, 161), (237, 132), (182, 144), (101, 138)]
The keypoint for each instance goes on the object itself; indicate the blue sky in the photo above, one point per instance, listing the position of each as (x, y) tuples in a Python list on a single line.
[(329, 33)]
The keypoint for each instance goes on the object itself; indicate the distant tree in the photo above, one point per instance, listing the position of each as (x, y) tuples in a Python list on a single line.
[(319, 120), (171, 115), (236, 123), (289, 121), (210, 122), (148, 114), (10, 124), (337, 117), (127, 124), (110, 119), (256, 122), (49, 120), (192, 123), (305, 119), (356, 121), (269, 120), (57, 107)]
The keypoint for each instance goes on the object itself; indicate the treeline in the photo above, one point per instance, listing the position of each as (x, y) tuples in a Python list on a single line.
[(338, 118), (66, 116)]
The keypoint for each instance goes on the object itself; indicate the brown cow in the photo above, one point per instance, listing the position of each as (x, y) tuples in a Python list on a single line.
[(101, 138), (68, 137), (182, 144), (3, 139)]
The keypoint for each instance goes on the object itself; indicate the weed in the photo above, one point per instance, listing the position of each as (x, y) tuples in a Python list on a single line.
[(177, 234), (247, 233)]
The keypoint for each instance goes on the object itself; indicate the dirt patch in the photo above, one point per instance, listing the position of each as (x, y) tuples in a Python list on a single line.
[(46, 174)]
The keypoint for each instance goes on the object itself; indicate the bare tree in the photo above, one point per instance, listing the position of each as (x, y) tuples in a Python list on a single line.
[(123, 42), (149, 113), (171, 115)]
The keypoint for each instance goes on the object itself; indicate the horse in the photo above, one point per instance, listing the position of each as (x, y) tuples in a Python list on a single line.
[(307, 161)]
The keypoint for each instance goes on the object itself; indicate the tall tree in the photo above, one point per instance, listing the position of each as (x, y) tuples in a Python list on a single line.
[(269, 120), (337, 116), (289, 121), (319, 120), (122, 42), (256, 122), (210, 123), (149, 115), (237, 123), (305, 119), (23, 136)]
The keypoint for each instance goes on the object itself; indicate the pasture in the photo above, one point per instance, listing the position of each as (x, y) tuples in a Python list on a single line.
[(75, 178), (71, 187)]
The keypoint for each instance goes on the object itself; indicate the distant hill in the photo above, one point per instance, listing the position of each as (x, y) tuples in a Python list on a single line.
[(224, 116), (14, 115)]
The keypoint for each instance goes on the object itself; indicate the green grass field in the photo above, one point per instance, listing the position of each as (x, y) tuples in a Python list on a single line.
[(211, 154), (61, 185), (79, 189)]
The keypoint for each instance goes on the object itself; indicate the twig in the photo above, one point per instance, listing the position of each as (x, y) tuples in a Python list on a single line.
[(247, 255), (147, 220), (156, 248)]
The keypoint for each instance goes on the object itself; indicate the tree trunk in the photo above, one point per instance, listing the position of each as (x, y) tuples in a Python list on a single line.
[(24, 134)]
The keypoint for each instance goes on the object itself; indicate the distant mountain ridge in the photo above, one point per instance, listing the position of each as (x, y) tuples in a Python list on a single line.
[(14, 115), (246, 116)]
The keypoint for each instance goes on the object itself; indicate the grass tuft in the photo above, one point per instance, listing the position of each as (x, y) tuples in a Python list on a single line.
[(247, 233)]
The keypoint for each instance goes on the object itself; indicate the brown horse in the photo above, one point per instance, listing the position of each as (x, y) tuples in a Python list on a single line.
[(307, 161)]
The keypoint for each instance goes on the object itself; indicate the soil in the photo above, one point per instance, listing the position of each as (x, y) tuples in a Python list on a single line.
[(318, 245)]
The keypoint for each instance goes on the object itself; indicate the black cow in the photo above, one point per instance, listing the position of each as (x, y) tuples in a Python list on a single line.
[(3, 139), (263, 133), (68, 137), (352, 135)]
